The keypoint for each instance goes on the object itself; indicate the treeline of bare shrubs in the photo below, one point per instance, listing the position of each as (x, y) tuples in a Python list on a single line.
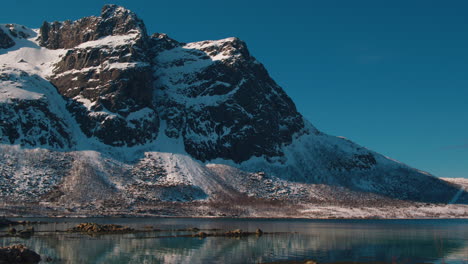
[(243, 205)]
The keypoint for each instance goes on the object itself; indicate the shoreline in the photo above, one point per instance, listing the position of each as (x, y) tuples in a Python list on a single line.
[(222, 218), (202, 210)]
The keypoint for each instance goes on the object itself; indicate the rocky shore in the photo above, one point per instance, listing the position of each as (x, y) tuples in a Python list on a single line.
[(5, 222), (18, 254), (97, 228)]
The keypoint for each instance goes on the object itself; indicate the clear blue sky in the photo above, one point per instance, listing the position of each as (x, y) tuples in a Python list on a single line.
[(389, 75)]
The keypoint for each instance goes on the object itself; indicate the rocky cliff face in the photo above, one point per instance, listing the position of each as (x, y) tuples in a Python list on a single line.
[(5, 41), (8, 32), (107, 75), (221, 101), (137, 119), (26, 117), (214, 100), (114, 21)]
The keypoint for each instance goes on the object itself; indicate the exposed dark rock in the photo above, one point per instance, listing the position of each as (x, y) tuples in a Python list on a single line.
[(18, 254), (202, 234), (28, 232), (190, 229), (252, 117), (259, 232), (11, 230), (115, 129), (114, 20), (17, 31), (31, 123), (161, 42), (118, 79), (237, 233), (5, 222), (115, 76), (5, 40), (97, 228), (118, 20)]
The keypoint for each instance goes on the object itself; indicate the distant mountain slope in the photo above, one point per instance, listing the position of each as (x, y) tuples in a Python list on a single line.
[(96, 111)]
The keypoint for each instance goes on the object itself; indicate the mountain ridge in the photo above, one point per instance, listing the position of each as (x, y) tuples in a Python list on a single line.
[(146, 119)]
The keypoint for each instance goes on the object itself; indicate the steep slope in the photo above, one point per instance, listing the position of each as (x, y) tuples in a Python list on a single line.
[(31, 111), (106, 73), (109, 117), (222, 102), (5, 40)]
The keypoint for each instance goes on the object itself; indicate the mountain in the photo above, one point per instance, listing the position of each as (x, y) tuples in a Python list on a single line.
[(97, 116)]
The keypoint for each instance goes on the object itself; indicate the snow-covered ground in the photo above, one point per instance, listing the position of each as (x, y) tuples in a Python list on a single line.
[(168, 184), (27, 55), (404, 211)]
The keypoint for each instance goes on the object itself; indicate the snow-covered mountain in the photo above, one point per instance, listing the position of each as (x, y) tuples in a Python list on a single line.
[(97, 112)]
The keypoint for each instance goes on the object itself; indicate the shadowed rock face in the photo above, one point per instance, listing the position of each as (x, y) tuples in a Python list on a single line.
[(230, 109), (161, 42), (114, 20), (5, 40), (117, 78), (108, 69), (30, 121)]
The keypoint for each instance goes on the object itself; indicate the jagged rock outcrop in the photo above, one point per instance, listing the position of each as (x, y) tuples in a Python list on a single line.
[(25, 115), (10, 32), (114, 20), (18, 254), (161, 42), (107, 74), (5, 40), (215, 100), (98, 228), (30, 122)]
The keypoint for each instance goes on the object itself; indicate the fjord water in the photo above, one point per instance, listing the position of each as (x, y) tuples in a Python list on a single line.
[(324, 241)]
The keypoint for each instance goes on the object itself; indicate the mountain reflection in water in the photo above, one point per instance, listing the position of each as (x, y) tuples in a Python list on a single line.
[(324, 241)]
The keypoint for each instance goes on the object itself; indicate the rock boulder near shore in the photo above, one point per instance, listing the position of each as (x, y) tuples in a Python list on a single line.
[(18, 254), (5, 222), (98, 228)]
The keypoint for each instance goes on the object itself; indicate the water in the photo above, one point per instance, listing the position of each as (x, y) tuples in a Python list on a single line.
[(325, 241)]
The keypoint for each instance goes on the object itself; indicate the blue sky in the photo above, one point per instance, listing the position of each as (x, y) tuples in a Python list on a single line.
[(389, 75)]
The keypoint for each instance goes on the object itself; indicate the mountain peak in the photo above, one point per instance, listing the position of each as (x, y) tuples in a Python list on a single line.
[(118, 20), (229, 48), (112, 10), (114, 20)]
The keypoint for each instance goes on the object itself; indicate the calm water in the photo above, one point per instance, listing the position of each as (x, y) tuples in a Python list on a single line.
[(326, 241)]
